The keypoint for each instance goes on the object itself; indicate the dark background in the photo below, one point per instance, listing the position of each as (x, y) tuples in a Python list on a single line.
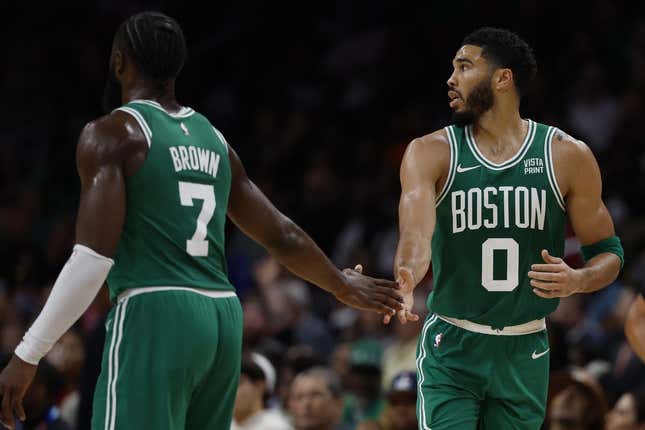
[(320, 100)]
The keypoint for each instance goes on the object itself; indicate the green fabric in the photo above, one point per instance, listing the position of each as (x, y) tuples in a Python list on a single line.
[(470, 381), (492, 223), (172, 360), (176, 206), (611, 245)]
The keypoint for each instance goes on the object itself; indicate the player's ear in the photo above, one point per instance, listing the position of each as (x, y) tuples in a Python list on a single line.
[(118, 63), (503, 80)]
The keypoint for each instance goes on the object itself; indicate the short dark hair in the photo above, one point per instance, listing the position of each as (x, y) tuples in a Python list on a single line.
[(332, 381), (507, 50), (155, 42), (251, 370)]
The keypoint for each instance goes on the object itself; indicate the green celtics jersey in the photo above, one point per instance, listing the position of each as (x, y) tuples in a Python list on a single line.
[(176, 205), (493, 220)]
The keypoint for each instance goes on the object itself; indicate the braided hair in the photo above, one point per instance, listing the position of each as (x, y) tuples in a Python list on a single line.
[(156, 44)]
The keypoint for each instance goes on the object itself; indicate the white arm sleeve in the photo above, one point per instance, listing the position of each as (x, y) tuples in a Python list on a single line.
[(76, 287)]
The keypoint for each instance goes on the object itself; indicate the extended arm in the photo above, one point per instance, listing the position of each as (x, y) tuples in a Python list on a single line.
[(423, 164), (578, 172), (256, 216), (101, 150)]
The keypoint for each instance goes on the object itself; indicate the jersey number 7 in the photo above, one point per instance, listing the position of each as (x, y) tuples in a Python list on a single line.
[(197, 246)]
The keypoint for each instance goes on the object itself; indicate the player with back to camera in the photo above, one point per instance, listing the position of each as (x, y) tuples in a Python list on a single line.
[(488, 198), (157, 182)]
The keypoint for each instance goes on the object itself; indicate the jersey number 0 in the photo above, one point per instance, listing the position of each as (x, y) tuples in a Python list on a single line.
[(512, 249)]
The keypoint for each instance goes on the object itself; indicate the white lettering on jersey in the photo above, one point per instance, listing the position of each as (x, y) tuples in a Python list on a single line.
[(192, 152), (214, 164), (477, 208), (521, 207), (492, 221), (188, 157), (533, 166), (506, 190), (175, 158), (538, 208), (458, 211), (183, 153), (474, 208)]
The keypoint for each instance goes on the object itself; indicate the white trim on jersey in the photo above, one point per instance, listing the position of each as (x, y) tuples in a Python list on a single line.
[(550, 171), (221, 137), (524, 149), (184, 112), (454, 154), (142, 122)]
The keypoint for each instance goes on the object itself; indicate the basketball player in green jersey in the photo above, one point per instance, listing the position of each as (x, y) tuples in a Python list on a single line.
[(157, 182), (488, 198)]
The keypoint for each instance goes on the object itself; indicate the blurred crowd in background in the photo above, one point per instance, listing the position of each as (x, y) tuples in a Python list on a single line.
[(320, 101)]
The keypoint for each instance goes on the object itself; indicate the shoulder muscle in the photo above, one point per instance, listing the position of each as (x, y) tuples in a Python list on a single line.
[(575, 165), (426, 158), (114, 139)]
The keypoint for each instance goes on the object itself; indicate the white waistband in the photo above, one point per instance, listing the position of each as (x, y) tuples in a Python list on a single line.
[(209, 293), (514, 330)]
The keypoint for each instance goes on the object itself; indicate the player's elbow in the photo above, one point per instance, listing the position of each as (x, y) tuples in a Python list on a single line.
[(287, 237), (615, 268)]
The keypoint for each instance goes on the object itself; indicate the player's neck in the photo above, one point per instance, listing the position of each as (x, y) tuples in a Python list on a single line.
[(499, 127), (146, 91)]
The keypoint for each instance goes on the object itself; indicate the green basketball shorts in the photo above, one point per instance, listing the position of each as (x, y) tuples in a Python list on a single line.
[(470, 380), (171, 361)]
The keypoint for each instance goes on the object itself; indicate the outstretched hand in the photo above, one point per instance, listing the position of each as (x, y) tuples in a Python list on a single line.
[(14, 381), (406, 281), (366, 293), (554, 278)]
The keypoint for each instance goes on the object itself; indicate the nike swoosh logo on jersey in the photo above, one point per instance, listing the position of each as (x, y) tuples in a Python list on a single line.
[(535, 356), (465, 169)]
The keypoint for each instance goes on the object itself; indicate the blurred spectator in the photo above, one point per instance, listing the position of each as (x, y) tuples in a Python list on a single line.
[(364, 400), (257, 382), (316, 401), (628, 412), (400, 408), (577, 402), (298, 359), (340, 361), (593, 112), (68, 357)]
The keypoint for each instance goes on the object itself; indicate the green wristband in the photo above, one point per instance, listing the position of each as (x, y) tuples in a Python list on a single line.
[(611, 245)]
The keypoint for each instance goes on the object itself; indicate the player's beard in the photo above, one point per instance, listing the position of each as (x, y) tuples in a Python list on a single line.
[(480, 99), (111, 93)]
